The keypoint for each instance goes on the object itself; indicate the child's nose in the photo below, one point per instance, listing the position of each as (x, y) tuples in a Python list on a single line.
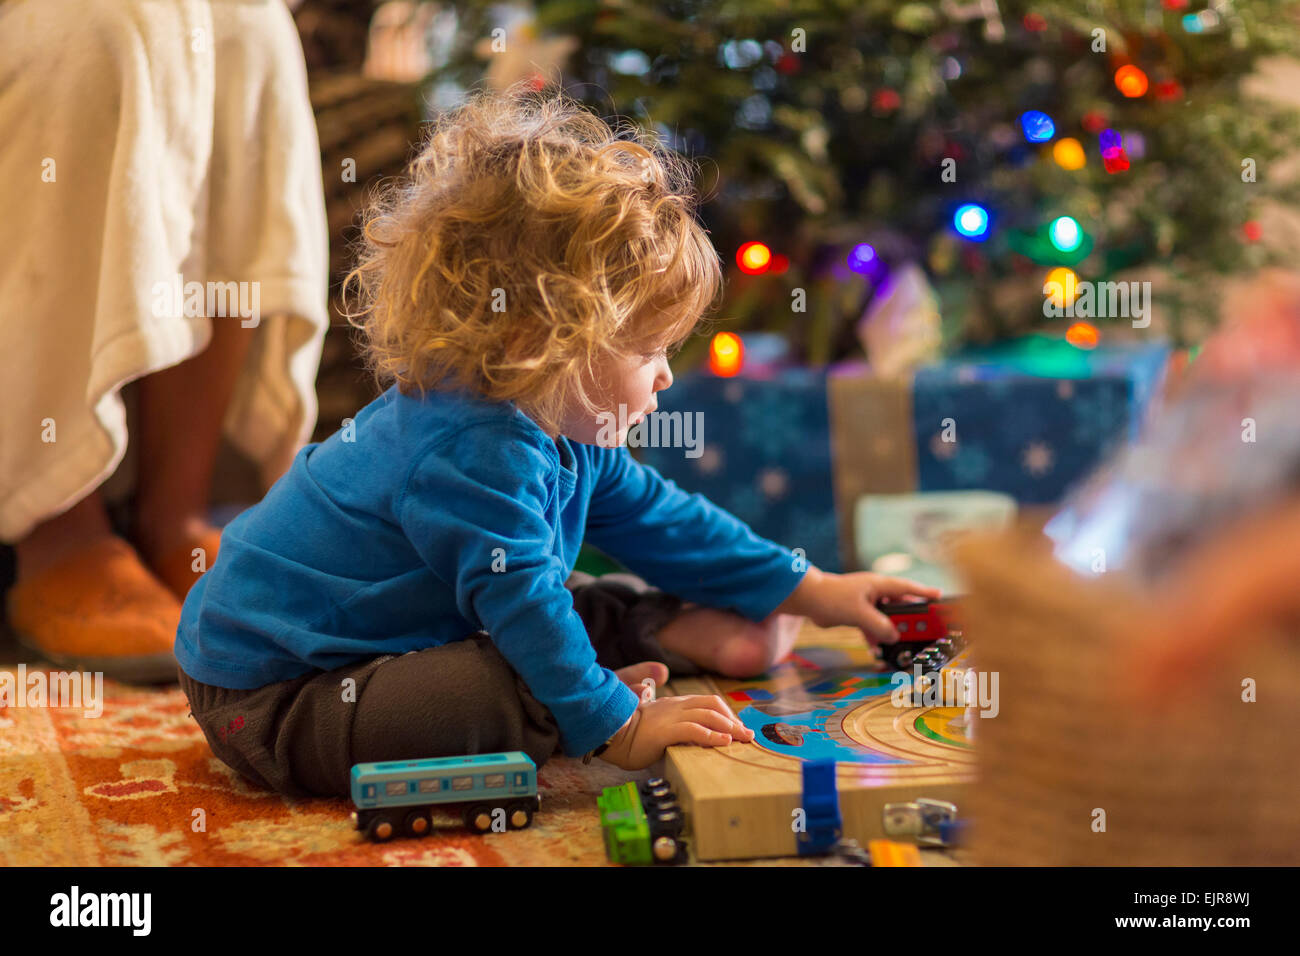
[(665, 378)]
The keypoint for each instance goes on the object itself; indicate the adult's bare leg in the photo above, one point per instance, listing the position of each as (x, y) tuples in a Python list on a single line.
[(180, 416), (53, 539)]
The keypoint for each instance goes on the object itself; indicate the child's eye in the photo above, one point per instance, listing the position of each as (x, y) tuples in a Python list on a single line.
[(667, 351)]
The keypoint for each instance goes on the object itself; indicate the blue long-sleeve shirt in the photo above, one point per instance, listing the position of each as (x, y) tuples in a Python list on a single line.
[(430, 519)]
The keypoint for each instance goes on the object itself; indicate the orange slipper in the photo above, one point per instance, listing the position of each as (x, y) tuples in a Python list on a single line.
[(178, 569), (99, 609)]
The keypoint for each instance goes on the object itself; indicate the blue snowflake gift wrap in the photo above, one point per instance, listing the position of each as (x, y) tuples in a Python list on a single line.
[(1029, 418), (790, 451), (765, 454)]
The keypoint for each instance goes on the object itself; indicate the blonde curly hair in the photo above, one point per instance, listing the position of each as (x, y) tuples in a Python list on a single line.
[(529, 242)]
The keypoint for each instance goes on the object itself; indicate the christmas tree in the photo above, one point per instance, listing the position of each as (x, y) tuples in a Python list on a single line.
[(988, 142)]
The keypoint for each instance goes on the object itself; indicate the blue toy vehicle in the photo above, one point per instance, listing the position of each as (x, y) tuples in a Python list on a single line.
[(496, 792)]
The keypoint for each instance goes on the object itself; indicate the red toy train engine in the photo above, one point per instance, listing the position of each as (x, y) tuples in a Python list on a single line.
[(928, 635)]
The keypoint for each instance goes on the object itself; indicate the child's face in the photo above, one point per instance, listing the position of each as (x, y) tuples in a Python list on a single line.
[(626, 388)]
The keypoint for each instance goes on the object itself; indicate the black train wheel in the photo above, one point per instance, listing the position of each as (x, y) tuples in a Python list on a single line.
[(418, 824), (381, 828), (666, 821), (664, 849), (478, 817), (519, 814), (901, 655), (667, 849)]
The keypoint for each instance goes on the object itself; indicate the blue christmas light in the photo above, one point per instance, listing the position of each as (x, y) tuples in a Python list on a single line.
[(1110, 140), (1192, 23), (862, 258), (972, 221), (1038, 126), (1065, 233)]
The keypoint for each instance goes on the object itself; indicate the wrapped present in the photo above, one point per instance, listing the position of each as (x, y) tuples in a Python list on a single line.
[(1028, 419), (765, 455), (790, 451), (910, 535)]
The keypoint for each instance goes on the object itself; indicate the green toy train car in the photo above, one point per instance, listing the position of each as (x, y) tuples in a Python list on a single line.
[(642, 825)]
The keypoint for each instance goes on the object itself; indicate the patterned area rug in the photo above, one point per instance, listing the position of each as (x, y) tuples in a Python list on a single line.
[(139, 786)]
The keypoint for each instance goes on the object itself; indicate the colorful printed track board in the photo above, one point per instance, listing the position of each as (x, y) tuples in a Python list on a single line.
[(827, 700)]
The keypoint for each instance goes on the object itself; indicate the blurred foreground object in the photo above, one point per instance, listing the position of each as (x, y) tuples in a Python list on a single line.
[(1227, 445), (1104, 752), (1242, 585), (1223, 449), (1074, 771)]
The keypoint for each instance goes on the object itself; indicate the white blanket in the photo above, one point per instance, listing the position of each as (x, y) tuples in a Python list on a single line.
[(142, 141)]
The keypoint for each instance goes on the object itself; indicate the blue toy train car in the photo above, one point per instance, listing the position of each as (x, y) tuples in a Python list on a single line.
[(495, 792)]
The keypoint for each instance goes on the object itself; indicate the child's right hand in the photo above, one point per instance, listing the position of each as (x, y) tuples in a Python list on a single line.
[(657, 724)]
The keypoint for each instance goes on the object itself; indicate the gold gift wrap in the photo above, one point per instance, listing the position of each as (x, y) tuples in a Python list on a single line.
[(1077, 769), (871, 451)]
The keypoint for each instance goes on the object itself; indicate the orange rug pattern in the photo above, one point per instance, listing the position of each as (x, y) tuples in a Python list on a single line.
[(139, 786)]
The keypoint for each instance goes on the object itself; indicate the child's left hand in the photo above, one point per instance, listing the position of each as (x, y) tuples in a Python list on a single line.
[(829, 600)]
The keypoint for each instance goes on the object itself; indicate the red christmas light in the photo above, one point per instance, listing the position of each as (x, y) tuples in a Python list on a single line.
[(885, 100), (1094, 121), (1034, 22), (1252, 231), (1115, 160), (1168, 90), (974, 262)]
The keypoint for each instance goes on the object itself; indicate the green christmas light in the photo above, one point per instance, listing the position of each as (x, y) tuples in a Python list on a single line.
[(1065, 233)]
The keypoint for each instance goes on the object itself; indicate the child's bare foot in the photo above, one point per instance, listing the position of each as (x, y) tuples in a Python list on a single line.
[(729, 644), (634, 674)]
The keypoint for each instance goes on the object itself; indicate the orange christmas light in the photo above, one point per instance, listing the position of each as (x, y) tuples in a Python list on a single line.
[(1069, 154), (1131, 81), (1083, 335), (1064, 284), (726, 354)]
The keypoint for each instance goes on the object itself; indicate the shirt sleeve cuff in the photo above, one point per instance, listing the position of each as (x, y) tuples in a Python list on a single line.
[(758, 604), (607, 722)]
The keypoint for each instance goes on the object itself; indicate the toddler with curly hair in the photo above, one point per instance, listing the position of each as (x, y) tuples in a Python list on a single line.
[(407, 589)]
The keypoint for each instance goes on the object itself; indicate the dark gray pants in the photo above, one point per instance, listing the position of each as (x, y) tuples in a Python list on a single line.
[(302, 736)]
